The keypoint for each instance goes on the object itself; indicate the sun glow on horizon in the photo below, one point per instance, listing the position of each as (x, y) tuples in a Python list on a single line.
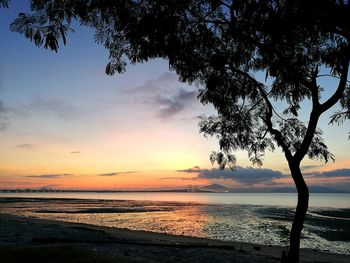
[(64, 123)]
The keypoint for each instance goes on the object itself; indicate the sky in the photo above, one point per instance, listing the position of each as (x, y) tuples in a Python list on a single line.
[(65, 124)]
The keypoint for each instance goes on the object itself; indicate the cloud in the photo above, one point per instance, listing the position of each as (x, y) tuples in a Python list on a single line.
[(2, 107), (171, 106), (333, 173), (49, 176), (308, 167), (108, 174), (194, 169), (168, 77), (241, 175), (57, 107), (25, 146), (163, 95), (75, 152), (117, 173), (3, 116), (155, 85)]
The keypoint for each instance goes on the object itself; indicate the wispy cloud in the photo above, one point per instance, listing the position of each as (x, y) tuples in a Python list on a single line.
[(308, 167), (172, 105), (49, 176), (168, 77), (194, 169), (3, 116), (75, 152), (155, 85), (25, 146), (163, 95), (117, 173), (57, 107)]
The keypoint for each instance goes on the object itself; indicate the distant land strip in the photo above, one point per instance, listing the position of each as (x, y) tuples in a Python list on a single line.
[(281, 190)]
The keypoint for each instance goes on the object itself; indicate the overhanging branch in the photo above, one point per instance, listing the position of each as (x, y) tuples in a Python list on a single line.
[(318, 109), (276, 133), (341, 86)]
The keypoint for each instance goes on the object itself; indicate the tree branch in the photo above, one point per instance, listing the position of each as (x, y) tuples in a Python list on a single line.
[(276, 133), (331, 76), (314, 88), (318, 109), (341, 86)]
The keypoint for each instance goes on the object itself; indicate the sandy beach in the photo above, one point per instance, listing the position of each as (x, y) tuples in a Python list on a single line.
[(38, 240)]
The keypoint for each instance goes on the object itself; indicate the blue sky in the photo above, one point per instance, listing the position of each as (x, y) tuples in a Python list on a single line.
[(65, 123)]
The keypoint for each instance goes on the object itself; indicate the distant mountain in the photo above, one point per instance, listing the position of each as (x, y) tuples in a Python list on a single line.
[(215, 188)]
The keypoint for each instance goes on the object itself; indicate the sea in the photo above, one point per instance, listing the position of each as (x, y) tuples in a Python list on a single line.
[(260, 218)]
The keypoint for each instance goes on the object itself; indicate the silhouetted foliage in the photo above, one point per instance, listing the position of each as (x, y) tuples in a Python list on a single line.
[(246, 56), (4, 3)]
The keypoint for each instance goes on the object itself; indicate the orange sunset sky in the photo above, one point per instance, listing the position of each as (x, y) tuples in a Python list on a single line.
[(64, 124)]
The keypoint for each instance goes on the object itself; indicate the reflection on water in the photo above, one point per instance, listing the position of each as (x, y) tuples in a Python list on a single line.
[(275, 199), (325, 229)]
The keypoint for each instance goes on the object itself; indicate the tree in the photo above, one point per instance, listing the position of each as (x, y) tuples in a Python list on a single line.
[(223, 46)]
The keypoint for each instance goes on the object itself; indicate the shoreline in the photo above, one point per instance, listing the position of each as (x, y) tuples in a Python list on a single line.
[(19, 233)]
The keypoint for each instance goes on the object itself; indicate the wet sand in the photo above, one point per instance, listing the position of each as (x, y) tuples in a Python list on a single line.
[(24, 239)]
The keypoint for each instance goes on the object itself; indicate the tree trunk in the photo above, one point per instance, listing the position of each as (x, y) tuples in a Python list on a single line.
[(300, 213)]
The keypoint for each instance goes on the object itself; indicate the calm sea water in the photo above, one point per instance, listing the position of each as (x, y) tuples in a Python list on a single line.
[(255, 217), (275, 199)]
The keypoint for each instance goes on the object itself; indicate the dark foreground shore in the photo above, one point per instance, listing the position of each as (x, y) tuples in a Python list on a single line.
[(25, 239)]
